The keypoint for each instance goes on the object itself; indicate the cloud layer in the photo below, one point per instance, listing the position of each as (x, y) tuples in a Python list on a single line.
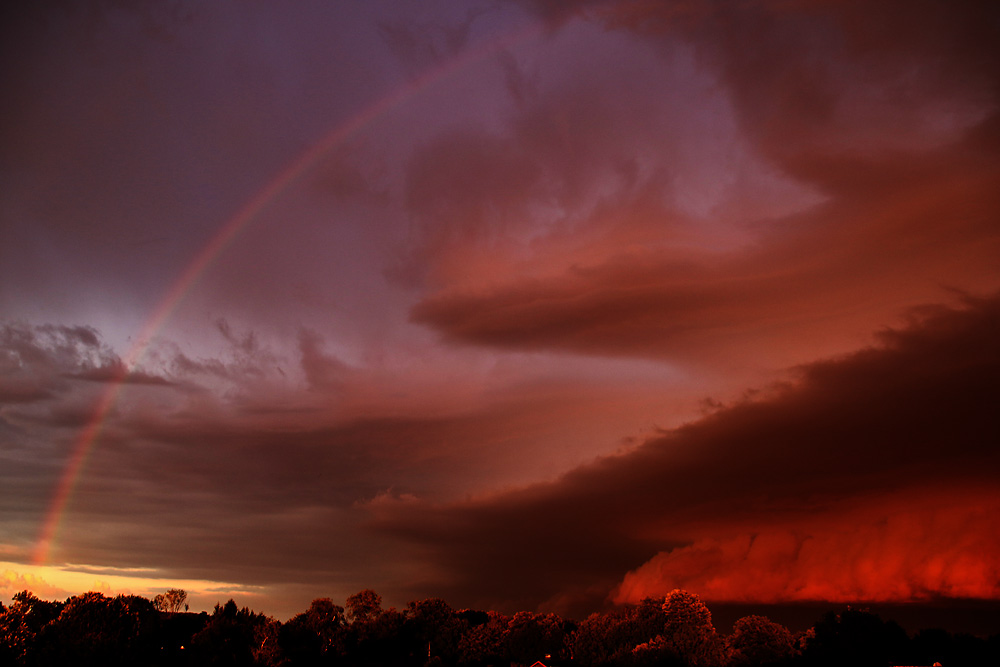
[(529, 306), (885, 122), (869, 477)]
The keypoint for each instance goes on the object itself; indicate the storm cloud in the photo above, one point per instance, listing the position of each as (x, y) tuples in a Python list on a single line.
[(524, 304), (878, 466)]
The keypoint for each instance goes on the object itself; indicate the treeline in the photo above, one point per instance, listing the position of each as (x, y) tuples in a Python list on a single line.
[(674, 631)]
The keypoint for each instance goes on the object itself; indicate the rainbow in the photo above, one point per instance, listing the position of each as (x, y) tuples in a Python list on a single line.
[(88, 436)]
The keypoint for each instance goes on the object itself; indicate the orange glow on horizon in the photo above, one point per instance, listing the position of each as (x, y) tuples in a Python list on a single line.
[(920, 545)]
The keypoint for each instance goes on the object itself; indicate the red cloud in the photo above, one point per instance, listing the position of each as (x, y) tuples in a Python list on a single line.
[(925, 543)]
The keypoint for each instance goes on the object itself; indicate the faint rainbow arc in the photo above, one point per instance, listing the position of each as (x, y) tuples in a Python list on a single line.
[(84, 443)]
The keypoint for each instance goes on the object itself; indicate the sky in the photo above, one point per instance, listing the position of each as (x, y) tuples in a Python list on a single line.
[(521, 304)]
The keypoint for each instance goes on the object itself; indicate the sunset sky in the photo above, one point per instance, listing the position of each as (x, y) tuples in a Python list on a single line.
[(526, 305)]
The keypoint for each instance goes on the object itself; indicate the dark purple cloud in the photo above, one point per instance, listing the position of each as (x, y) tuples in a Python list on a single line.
[(851, 437)]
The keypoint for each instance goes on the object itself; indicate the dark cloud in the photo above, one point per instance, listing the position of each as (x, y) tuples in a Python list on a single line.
[(822, 77), (795, 73), (717, 191), (262, 504), (118, 373), (246, 482), (36, 361), (861, 431)]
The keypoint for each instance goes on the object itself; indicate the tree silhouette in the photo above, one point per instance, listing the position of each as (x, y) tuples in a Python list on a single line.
[(857, 637), (20, 625), (236, 638), (612, 638), (379, 640), (674, 631), (171, 601), (534, 636), (93, 629), (364, 606), (317, 636), (434, 630), (688, 631), (757, 640), (485, 640)]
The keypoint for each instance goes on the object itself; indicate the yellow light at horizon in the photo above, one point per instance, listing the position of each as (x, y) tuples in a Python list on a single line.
[(58, 583)]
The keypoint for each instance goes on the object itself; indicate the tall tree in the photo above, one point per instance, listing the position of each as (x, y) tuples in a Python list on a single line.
[(364, 606), (485, 643), (435, 629), (535, 637), (316, 636), (757, 640), (172, 601), (236, 637), (688, 631)]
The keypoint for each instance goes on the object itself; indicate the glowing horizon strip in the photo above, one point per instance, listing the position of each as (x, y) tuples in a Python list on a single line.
[(84, 444)]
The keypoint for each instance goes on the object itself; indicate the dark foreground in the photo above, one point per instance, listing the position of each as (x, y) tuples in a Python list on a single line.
[(676, 630)]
